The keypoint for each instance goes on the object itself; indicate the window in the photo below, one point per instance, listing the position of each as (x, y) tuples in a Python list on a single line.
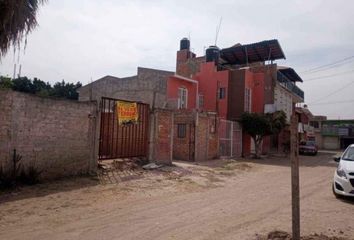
[(212, 127), (222, 93), (248, 101), (201, 100), (181, 130), (182, 98), (315, 124)]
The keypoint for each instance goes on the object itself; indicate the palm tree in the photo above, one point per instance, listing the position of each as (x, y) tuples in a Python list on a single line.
[(17, 20)]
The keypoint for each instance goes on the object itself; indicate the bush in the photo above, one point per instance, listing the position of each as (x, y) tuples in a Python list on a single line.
[(6, 179), (30, 176), (10, 177)]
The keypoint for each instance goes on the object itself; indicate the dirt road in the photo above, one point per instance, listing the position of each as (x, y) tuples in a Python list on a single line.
[(216, 200)]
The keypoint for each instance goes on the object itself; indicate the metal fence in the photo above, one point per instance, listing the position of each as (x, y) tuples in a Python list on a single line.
[(122, 141), (230, 139)]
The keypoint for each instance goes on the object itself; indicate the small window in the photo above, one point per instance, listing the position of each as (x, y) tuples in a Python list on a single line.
[(201, 100), (222, 93), (247, 100), (212, 127), (182, 98), (181, 130)]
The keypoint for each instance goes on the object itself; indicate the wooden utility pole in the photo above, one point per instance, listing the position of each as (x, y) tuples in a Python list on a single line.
[(295, 190)]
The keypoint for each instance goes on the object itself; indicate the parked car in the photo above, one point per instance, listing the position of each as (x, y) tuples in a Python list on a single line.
[(308, 147), (343, 182)]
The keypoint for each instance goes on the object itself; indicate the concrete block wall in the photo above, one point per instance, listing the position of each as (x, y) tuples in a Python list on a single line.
[(148, 86), (57, 136)]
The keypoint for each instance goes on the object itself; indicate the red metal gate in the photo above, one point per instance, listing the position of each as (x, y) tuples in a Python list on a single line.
[(122, 141)]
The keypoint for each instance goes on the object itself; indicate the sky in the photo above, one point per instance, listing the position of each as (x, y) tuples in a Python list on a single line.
[(84, 40)]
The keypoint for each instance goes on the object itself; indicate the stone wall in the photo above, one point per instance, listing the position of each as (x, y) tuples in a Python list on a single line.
[(57, 136)]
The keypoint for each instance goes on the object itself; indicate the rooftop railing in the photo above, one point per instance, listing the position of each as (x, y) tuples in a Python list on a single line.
[(285, 82)]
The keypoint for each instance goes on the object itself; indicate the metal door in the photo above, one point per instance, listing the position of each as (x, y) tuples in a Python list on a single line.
[(122, 141)]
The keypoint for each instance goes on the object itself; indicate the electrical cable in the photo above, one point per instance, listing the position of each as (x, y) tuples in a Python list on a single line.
[(335, 102), (328, 66), (334, 92), (328, 76)]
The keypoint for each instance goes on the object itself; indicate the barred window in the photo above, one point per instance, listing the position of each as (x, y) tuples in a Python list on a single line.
[(248, 101), (181, 130), (222, 93), (182, 98), (201, 100)]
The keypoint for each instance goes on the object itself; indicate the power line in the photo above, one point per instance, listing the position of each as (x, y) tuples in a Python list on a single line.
[(334, 92), (328, 76), (329, 65), (335, 102)]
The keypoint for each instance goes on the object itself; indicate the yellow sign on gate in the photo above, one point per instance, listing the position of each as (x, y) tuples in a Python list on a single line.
[(127, 112)]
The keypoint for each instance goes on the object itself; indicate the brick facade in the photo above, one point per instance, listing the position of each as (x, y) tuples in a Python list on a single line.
[(183, 146), (200, 141), (162, 132)]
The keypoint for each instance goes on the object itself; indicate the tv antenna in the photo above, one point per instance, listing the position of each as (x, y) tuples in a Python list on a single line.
[(217, 31)]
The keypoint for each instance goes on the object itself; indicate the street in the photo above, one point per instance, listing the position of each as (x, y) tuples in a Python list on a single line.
[(212, 200)]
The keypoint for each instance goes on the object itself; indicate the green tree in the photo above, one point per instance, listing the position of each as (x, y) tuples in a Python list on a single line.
[(39, 85), (23, 84), (66, 90), (17, 20), (5, 82), (259, 125), (41, 88)]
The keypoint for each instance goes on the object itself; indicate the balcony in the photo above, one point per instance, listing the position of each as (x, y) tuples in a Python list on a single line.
[(285, 82)]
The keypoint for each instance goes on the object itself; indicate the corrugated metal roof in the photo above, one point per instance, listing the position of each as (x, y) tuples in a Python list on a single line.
[(254, 52)]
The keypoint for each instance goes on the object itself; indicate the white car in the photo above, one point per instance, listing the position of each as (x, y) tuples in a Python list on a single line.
[(343, 183)]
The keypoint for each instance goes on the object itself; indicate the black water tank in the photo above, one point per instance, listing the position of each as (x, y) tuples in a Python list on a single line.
[(184, 44), (212, 54)]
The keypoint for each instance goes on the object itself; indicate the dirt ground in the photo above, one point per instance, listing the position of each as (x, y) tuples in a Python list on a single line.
[(221, 199)]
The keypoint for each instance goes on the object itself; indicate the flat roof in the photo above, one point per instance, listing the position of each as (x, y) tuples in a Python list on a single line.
[(254, 52)]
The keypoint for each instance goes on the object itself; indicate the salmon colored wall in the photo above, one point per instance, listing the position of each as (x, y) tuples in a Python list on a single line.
[(256, 82), (174, 83), (246, 144), (209, 80), (258, 93)]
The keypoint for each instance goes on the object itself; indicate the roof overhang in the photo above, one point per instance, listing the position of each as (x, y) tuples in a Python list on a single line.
[(268, 50), (184, 78), (290, 74)]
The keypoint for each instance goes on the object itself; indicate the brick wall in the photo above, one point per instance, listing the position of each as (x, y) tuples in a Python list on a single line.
[(201, 140), (206, 137), (183, 147), (55, 135), (161, 144)]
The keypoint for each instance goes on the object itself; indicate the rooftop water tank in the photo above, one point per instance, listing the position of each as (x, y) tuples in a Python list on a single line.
[(184, 44), (212, 54)]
